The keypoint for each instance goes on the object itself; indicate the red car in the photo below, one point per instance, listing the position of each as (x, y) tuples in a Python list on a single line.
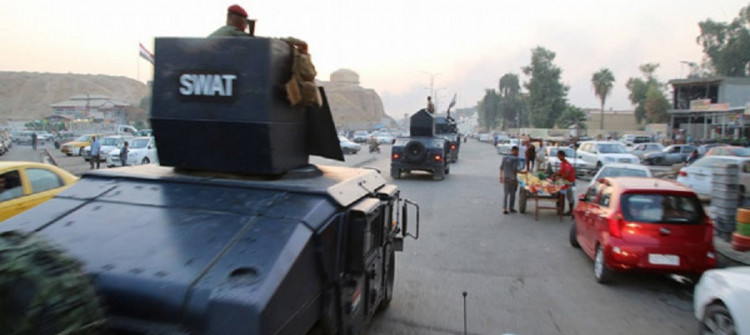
[(628, 223)]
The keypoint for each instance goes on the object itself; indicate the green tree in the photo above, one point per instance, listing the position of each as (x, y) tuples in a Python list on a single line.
[(572, 115), (656, 106), (489, 110), (639, 89), (602, 82), (511, 100), (546, 94), (727, 45)]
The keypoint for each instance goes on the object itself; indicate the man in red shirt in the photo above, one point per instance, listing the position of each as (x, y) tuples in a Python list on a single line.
[(568, 174)]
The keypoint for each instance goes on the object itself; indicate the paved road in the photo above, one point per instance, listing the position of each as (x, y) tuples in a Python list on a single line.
[(522, 277)]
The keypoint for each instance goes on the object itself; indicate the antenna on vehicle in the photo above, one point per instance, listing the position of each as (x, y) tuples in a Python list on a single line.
[(465, 313)]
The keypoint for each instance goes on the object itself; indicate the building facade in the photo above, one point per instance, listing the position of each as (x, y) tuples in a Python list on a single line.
[(98, 108)]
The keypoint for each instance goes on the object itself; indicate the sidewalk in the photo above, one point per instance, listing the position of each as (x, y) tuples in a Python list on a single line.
[(725, 249)]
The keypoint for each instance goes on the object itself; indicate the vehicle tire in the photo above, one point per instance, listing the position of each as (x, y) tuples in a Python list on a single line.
[(439, 175), (659, 161), (447, 170), (44, 291), (717, 320), (602, 273), (389, 278), (395, 173), (522, 199), (574, 235), (415, 152), (145, 161)]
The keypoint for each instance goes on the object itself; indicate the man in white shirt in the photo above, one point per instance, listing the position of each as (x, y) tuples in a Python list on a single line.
[(522, 154)]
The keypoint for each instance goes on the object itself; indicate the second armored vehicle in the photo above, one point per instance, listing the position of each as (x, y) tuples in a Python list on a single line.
[(422, 150)]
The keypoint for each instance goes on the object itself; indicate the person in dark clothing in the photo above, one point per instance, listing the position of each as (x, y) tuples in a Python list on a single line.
[(124, 154), (33, 140), (530, 157), (508, 171)]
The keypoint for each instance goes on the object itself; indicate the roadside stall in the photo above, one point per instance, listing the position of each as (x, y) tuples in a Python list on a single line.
[(536, 188)]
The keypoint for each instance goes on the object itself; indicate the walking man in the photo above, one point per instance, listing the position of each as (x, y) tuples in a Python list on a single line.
[(124, 154), (95, 146), (508, 171), (33, 140), (567, 174)]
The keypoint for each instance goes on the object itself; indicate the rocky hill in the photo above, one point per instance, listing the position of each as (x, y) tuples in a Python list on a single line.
[(28, 95)]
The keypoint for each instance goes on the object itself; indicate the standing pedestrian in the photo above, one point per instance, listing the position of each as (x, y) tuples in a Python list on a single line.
[(430, 105), (540, 155), (124, 154), (33, 140), (508, 171), (567, 174), (522, 155), (530, 157), (95, 146)]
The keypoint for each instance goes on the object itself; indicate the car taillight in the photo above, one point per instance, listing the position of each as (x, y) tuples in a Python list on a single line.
[(438, 158), (453, 147), (615, 225), (396, 156), (683, 173)]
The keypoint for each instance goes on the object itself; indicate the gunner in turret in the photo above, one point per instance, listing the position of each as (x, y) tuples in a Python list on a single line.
[(237, 22)]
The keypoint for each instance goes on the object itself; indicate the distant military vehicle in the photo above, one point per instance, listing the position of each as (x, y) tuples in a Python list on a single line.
[(447, 128), (423, 150), (235, 234)]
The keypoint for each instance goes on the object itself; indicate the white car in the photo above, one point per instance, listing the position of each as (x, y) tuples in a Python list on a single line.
[(721, 301), (621, 170), (383, 137), (142, 150), (699, 175), (107, 144), (504, 146), (598, 153), (551, 162), (348, 147)]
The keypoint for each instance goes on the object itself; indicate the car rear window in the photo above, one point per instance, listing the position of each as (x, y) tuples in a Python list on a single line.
[(622, 172), (662, 208)]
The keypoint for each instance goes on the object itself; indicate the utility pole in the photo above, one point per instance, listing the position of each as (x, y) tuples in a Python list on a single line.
[(432, 81)]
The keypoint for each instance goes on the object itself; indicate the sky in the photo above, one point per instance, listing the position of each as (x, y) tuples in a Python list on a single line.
[(396, 46)]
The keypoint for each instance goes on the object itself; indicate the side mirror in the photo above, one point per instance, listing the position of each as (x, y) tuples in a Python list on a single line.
[(405, 219)]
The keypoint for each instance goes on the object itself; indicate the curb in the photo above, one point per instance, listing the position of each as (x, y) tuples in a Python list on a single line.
[(49, 156), (725, 249)]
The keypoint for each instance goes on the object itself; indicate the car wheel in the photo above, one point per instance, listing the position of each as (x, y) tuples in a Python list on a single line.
[(439, 175), (574, 235), (395, 173), (145, 160), (659, 161), (602, 274), (717, 320)]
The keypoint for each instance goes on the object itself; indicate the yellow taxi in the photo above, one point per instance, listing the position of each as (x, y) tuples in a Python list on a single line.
[(75, 147), (26, 184)]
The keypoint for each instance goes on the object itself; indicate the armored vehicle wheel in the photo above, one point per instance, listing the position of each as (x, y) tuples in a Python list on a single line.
[(415, 152), (522, 198), (439, 175), (395, 173), (390, 278), (42, 291), (447, 170)]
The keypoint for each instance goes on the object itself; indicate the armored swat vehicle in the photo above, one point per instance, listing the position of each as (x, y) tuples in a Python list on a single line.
[(234, 234), (422, 150), (447, 128)]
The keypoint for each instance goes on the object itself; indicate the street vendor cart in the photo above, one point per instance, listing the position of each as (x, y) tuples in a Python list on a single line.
[(536, 187)]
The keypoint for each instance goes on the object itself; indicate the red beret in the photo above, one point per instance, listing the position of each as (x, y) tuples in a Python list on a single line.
[(237, 10)]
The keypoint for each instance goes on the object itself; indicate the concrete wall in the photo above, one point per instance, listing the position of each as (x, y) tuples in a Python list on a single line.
[(620, 122)]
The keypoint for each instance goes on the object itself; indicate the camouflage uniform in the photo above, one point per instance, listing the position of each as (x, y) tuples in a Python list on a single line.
[(228, 31)]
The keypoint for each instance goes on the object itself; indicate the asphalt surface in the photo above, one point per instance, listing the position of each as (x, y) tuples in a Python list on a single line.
[(521, 276)]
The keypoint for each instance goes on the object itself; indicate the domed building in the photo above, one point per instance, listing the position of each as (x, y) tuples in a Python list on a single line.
[(353, 107)]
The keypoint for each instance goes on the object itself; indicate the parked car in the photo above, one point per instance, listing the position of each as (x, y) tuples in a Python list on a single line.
[(142, 150), (24, 185), (348, 147), (76, 146), (503, 146), (699, 175), (721, 301), (144, 132), (551, 162), (107, 144), (621, 170), (643, 224), (484, 137), (703, 149), (360, 136), (631, 140), (597, 153), (673, 154), (729, 151), (640, 150), (383, 137)]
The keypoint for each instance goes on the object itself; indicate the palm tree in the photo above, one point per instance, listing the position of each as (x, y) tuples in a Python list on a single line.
[(603, 82)]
